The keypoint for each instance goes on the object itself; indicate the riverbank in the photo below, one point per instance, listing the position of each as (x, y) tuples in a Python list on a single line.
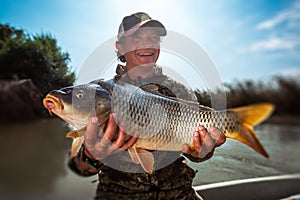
[(20, 101), (293, 120)]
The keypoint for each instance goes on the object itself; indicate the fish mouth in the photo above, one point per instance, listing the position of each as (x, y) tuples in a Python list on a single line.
[(53, 104)]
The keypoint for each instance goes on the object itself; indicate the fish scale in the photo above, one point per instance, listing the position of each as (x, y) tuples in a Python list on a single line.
[(163, 121)]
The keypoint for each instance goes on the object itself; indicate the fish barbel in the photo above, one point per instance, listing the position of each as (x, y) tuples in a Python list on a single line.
[(163, 123)]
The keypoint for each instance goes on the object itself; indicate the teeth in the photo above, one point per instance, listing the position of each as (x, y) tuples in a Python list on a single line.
[(145, 54)]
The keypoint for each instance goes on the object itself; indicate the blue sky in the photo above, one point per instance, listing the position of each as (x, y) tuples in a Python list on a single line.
[(245, 39)]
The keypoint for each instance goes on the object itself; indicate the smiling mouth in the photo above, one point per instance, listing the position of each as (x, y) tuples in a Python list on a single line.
[(145, 54)]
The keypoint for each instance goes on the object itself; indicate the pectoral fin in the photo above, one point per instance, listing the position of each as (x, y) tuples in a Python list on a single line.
[(76, 145), (72, 134), (76, 133), (142, 157)]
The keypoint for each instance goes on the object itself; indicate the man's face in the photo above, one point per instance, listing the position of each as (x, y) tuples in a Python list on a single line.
[(141, 48)]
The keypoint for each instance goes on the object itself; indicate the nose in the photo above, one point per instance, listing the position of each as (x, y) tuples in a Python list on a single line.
[(146, 42)]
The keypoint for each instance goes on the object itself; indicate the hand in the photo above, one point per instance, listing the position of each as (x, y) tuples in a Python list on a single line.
[(111, 142), (205, 141)]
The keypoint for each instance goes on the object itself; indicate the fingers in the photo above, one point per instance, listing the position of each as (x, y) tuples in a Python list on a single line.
[(109, 133), (217, 136), (118, 143), (121, 144), (90, 134), (120, 139), (130, 142), (197, 140), (186, 149), (205, 141), (101, 145)]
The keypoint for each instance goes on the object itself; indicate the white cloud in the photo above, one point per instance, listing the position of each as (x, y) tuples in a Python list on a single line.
[(286, 37), (288, 72), (290, 16), (273, 44)]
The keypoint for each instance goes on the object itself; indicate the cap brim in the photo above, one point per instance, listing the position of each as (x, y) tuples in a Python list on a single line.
[(147, 23), (156, 24)]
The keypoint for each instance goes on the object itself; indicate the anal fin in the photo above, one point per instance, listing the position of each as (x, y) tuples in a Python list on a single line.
[(142, 157), (133, 155)]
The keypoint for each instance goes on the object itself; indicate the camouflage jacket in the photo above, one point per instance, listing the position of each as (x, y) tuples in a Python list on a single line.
[(120, 178)]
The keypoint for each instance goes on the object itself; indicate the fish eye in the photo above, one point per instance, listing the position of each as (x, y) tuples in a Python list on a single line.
[(80, 94)]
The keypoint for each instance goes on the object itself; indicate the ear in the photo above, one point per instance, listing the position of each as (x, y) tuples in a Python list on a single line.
[(120, 47)]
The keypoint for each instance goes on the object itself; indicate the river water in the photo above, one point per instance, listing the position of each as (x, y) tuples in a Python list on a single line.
[(33, 160)]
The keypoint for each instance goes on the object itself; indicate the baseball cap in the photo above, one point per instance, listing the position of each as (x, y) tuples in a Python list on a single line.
[(133, 22)]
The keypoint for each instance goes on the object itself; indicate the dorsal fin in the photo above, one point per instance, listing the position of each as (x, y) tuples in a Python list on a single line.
[(152, 88), (191, 103)]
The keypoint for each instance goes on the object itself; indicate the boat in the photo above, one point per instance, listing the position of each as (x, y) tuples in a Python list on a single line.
[(285, 187)]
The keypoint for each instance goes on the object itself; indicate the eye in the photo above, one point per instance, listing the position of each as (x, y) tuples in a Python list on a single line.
[(136, 40), (80, 94), (155, 39)]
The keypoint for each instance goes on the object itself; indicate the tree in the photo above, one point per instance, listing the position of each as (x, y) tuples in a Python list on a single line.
[(39, 58)]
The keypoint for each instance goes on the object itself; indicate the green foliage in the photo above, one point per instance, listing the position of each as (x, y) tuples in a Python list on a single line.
[(283, 92), (38, 58)]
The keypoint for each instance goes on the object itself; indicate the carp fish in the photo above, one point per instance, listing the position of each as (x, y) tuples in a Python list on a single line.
[(163, 123)]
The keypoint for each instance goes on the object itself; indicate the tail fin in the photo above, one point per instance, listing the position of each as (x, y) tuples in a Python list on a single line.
[(250, 116)]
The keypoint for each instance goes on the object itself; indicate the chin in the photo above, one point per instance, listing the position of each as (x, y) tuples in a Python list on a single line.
[(147, 65)]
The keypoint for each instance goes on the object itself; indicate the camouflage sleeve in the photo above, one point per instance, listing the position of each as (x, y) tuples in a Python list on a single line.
[(83, 165), (170, 87)]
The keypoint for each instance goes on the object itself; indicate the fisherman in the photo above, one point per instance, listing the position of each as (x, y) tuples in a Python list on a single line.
[(138, 46)]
